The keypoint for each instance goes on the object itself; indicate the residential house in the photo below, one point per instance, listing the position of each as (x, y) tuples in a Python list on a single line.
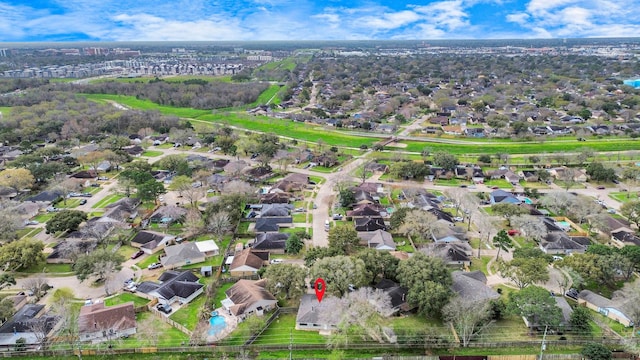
[(45, 197), (452, 129), (623, 238), (439, 120), (23, 324), (134, 150), (453, 253), (501, 197), (567, 310), (98, 322), (172, 286), (208, 247), (604, 306), (248, 297), (529, 175), (472, 285), (178, 255), (379, 240), (397, 293), (316, 316), (559, 243), (272, 224), (275, 198), (60, 253), (167, 214), (366, 210), (363, 197), (247, 262), (448, 234), (151, 241), (369, 224), (274, 243), (475, 132)]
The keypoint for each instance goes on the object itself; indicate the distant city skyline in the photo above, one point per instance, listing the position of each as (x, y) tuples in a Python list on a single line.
[(219, 20)]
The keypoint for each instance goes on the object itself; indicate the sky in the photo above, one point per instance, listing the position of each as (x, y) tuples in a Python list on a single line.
[(219, 20)]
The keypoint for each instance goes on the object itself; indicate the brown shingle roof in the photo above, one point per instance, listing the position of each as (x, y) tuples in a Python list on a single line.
[(247, 292), (248, 258), (97, 317)]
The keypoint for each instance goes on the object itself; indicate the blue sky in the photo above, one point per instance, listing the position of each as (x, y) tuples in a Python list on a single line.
[(215, 20)]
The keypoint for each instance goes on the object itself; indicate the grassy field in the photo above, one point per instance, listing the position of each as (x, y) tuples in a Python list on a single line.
[(43, 267), (220, 295), (282, 330), (188, 314), (152, 153), (125, 297), (509, 147), (107, 200), (153, 258), (171, 79), (624, 196), (286, 64), (29, 232), (5, 110)]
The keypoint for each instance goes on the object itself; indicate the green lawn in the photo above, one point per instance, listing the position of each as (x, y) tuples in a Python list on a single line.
[(508, 329), (220, 295), (624, 196), (29, 232), (188, 314), (43, 218), (300, 217), (107, 200), (480, 264), (153, 258), (152, 153), (501, 183), (47, 268), (125, 297), (151, 331), (282, 331)]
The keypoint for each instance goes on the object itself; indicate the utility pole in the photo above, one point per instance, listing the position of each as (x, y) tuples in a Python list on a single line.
[(543, 346)]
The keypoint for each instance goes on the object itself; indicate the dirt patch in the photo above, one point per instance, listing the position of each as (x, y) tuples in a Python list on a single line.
[(397, 145)]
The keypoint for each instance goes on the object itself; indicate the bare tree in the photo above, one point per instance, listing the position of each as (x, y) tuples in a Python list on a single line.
[(193, 223), (99, 232), (37, 285), (628, 296), (558, 201), (531, 226), (419, 225), (64, 186), (239, 187), (40, 328), (467, 315), (218, 224)]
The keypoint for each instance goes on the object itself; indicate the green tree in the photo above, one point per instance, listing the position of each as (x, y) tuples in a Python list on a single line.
[(536, 305), (532, 252), (508, 211), (285, 281), (294, 244), (502, 241), (16, 179), (66, 220), (379, 264), (317, 253), (525, 271), (596, 351), (347, 198), (344, 239), (100, 263), (428, 281), (21, 254), (339, 272), (419, 224), (445, 160), (397, 217), (177, 164), (484, 159), (150, 190), (6, 280), (579, 320), (6, 309)]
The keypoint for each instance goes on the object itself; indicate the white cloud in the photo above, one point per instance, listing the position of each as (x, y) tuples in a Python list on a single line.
[(147, 27), (388, 21), (519, 18)]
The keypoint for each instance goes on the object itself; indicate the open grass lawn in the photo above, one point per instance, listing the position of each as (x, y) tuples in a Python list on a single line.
[(43, 267), (127, 251), (107, 200), (480, 264), (501, 183), (152, 153), (299, 131), (6, 111), (29, 232), (508, 329), (152, 330), (220, 295), (282, 331), (125, 297), (70, 203), (188, 314), (300, 217), (43, 218), (153, 258), (614, 325), (494, 146), (624, 196)]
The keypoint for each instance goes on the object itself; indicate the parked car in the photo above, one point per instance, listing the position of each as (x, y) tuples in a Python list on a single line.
[(615, 181), (83, 201), (86, 195), (600, 187), (458, 219), (513, 232), (165, 308), (154, 266), (572, 293), (276, 261), (137, 254), (31, 222)]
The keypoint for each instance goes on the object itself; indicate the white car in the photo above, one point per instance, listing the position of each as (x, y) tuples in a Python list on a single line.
[(458, 219), (276, 261)]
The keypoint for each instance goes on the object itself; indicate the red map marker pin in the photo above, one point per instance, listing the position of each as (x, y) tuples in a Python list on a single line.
[(320, 287)]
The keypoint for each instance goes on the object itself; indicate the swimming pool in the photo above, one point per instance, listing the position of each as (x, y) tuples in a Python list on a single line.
[(527, 201), (564, 225), (216, 324)]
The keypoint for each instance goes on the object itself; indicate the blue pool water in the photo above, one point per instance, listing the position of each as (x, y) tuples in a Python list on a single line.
[(216, 324), (527, 201)]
